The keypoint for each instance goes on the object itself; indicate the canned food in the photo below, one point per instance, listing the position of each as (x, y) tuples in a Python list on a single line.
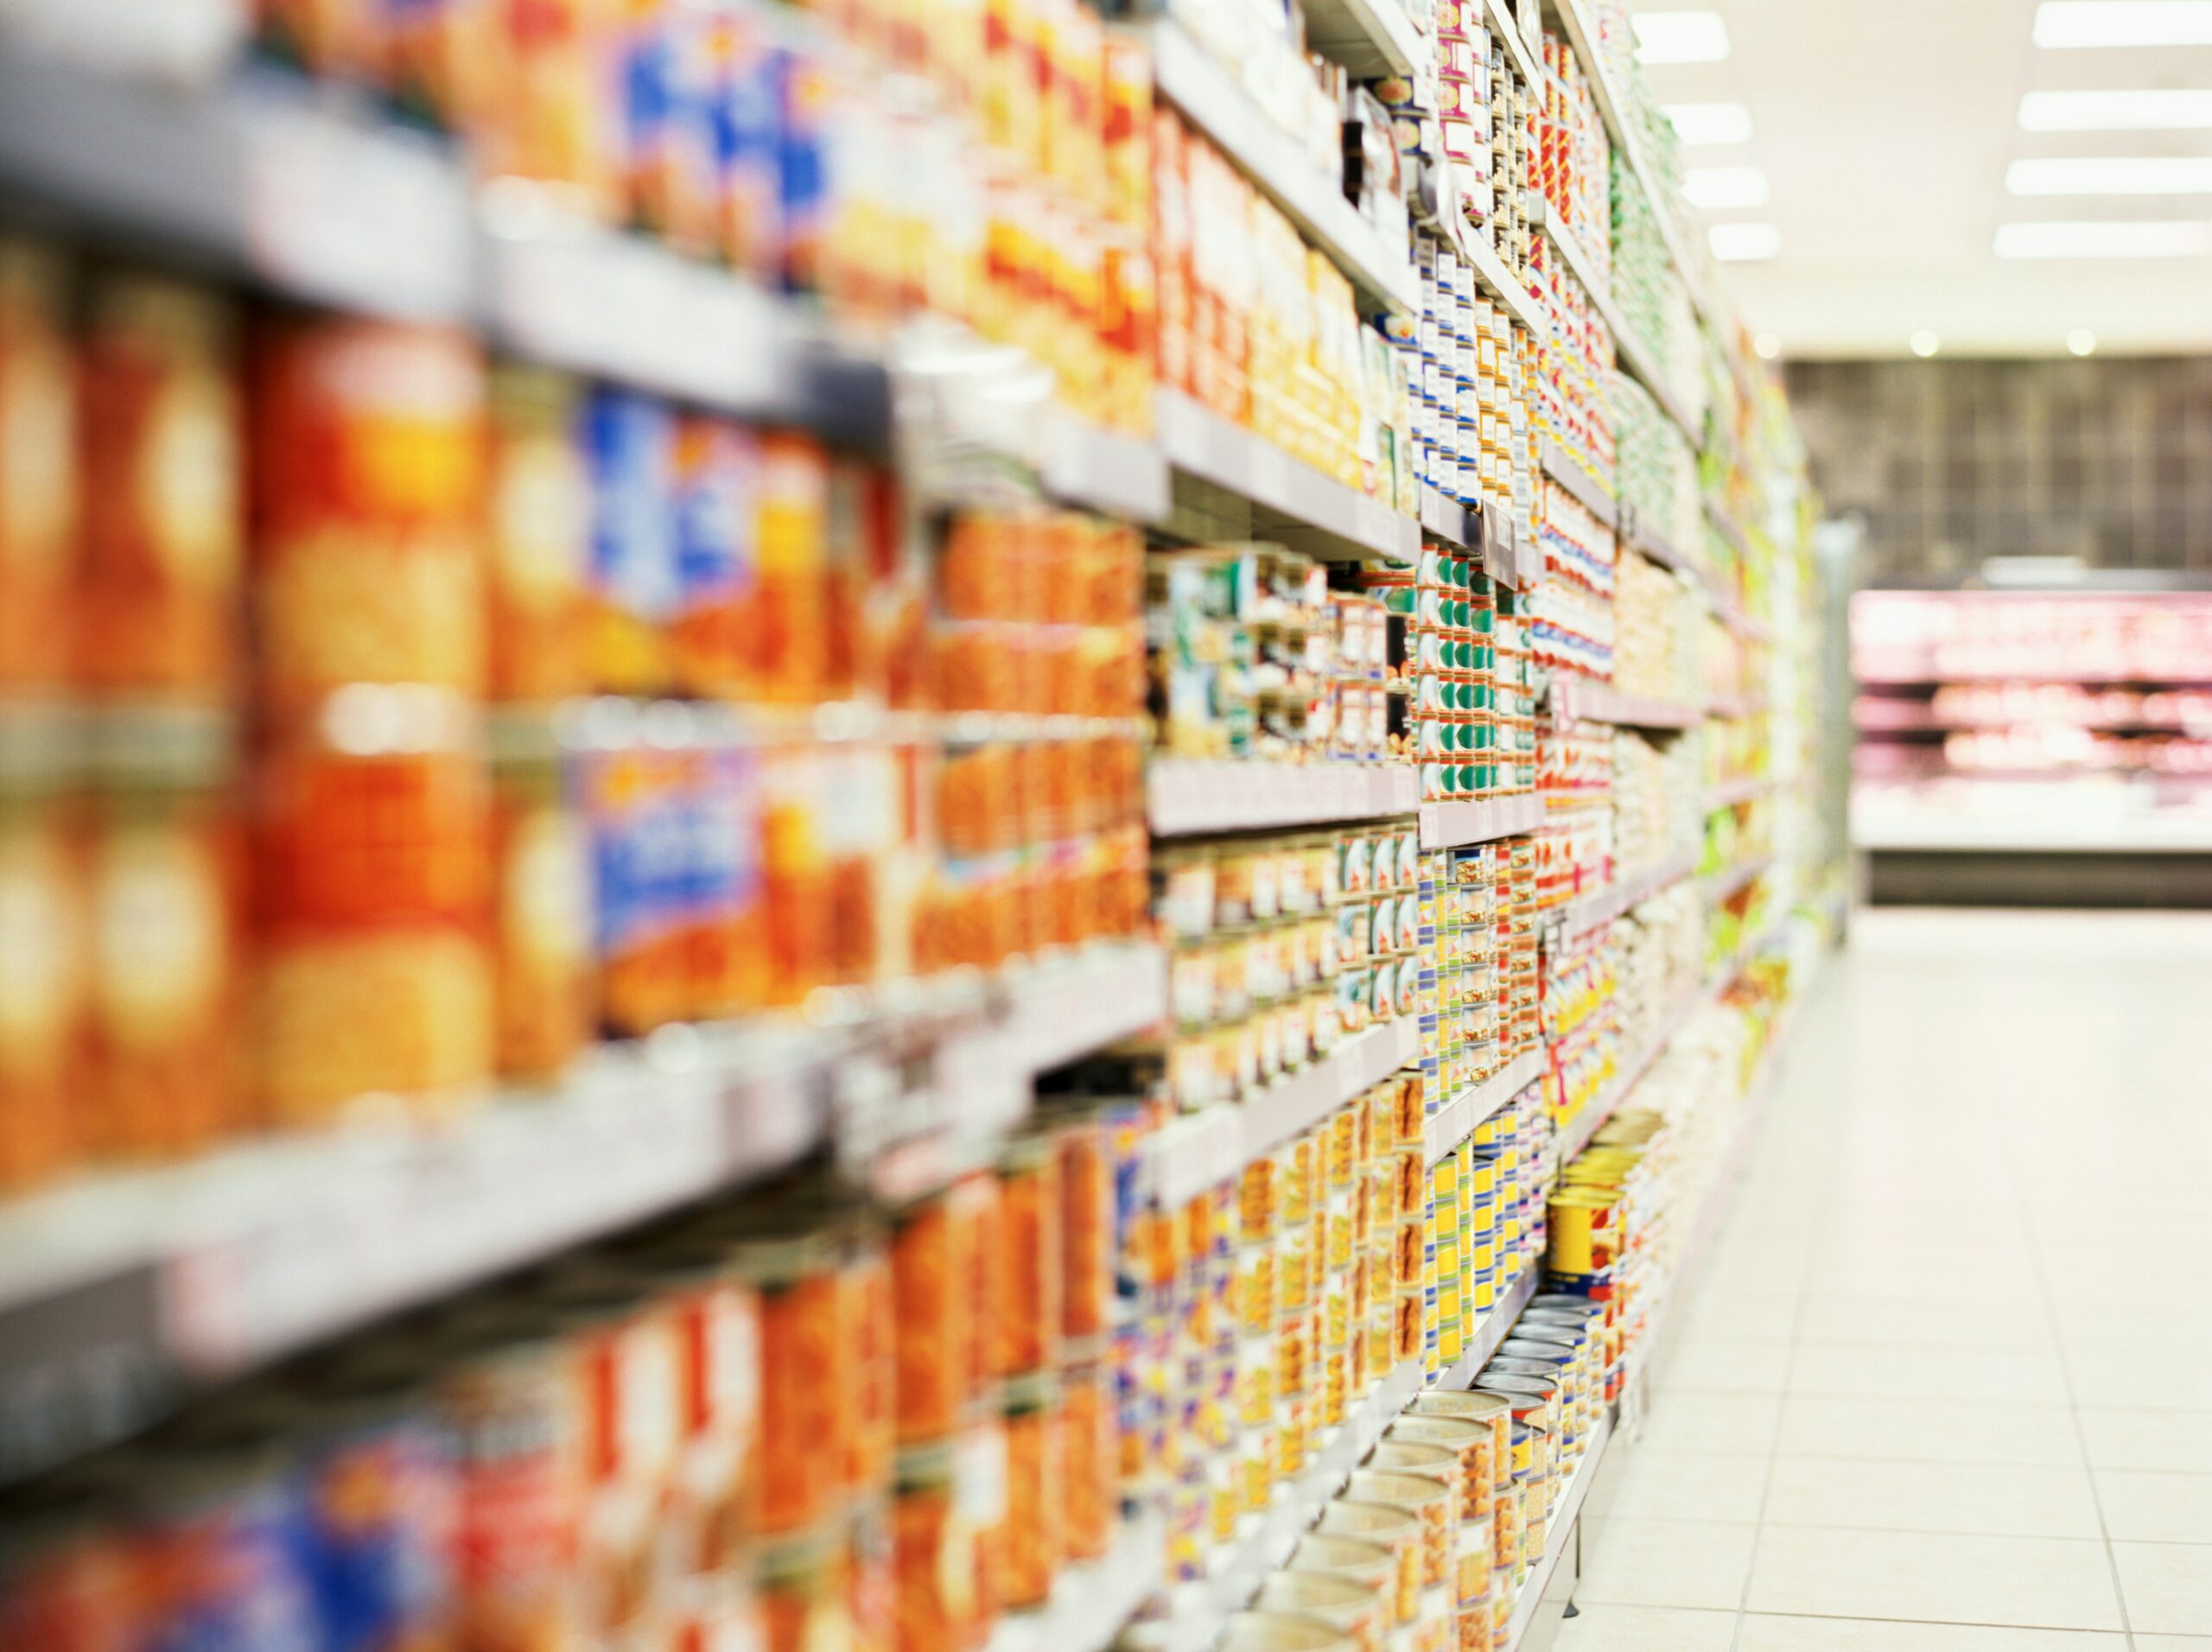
[(1395, 1530), (1270, 1631), (1429, 1500), (1354, 1610)]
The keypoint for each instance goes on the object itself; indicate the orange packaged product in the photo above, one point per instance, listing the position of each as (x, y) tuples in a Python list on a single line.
[(550, 118), (373, 977), (369, 445), (873, 1337), (724, 915), (1091, 1456), (447, 61), (716, 471), (932, 1293), (1087, 1232), (1029, 1322), (790, 657), (933, 1543), (869, 1580), (166, 893), (799, 1325), (40, 486), (164, 519), (538, 536), (346, 38), (1036, 1535), (44, 948), (541, 904), (803, 1606)]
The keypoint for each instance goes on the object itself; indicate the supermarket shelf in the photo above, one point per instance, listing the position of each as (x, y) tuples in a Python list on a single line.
[(1738, 791), (1664, 551), (1201, 444), (1210, 97), (1188, 795), (1369, 37), (1574, 700), (1238, 1571), (1478, 820), (1586, 912), (1559, 1535), (1725, 886), (1613, 109), (1456, 1120), (1090, 1604), (1635, 356), (1449, 520), (298, 189), (1490, 268), (1737, 620), (1735, 705), (120, 1294), (1872, 677), (1104, 470), (1206, 1148), (1493, 1328), (1725, 523), (1565, 469), (1486, 530), (1504, 30)]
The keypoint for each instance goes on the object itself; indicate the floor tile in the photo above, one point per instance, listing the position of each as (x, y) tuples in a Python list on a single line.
[(1687, 1420), (1717, 1366), (1691, 1485), (1889, 1322), (2180, 1382), (1924, 1577), (2123, 1436), (1598, 1627), (1982, 1375), (1763, 1632), (1986, 1498), (2168, 1587), (1930, 1432), (1699, 1563), (2156, 1507)]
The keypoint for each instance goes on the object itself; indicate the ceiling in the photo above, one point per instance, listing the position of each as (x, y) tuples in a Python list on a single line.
[(1885, 128)]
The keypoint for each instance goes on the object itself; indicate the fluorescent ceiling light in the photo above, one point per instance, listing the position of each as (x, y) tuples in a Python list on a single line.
[(2081, 341), (1707, 125), (1925, 343), (2067, 24), (2151, 238), (2163, 110), (1768, 345), (1744, 243), (1718, 188), (1680, 37), (2148, 174)]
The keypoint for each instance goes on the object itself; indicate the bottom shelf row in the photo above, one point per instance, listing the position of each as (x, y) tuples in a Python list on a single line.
[(1035, 1410)]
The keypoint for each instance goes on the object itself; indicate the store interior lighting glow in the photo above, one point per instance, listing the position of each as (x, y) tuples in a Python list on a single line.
[(1768, 346), (1925, 343), (2112, 239), (2141, 174), (2065, 24), (1720, 188), (1680, 37), (2147, 109), (2081, 342), (1744, 243), (1709, 125)]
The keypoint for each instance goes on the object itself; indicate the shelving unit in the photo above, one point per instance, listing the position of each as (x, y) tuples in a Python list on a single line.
[(1493, 1328), (1478, 820), (1574, 700), (1595, 495), (1738, 791), (1369, 37), (1458, 1118), (1090, 1603), (1203, 1149), (1585, 913), (1314, 512), (1725, 885), (1559, 1535), (1190, 796), (1211, 100)]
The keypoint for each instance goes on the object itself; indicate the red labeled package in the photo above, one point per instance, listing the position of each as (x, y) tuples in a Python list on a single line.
[(538, 536), (40, 486)]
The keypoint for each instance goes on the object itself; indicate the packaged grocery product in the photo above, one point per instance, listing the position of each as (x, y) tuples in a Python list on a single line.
[(164, 515), (715, 473), (40, 486), (635, 579), (538, 535), (541, 904), (46, 949)]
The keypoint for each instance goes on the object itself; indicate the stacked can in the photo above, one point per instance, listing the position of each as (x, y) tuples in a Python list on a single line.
[(1463, 87), (1582, 1029), (1468, 1050), (1402, 1222), (1513, 676), (1509, 112), (1443, 610), (1571, 620)]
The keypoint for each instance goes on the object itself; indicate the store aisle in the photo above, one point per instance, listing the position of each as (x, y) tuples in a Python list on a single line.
[(1946, 1385)]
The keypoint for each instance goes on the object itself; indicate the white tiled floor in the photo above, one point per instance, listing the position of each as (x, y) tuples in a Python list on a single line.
[(1945, 1384)]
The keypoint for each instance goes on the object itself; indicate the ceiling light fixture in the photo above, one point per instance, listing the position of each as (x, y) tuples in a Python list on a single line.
[(2081, 341), (1723, 189), (1768, 346), (1744, 243), (1709, 125), (2111, 238), (1680, 37), (1925, 343), (2066, 24), (2145, 174), (2154, 109)]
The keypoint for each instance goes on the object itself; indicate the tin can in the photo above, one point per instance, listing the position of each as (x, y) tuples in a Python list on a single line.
[(1091, 1456), (222, 1527), (163, 545), (537, 536), (1035, 1523), (1271, 1631), (800, 1453), (1030, 1258), (541, 925), (1430, 1500), (65, 1574), (40, 481), (1353, 1608), (933, 1550), (1398, 1532), (1086, 1233)]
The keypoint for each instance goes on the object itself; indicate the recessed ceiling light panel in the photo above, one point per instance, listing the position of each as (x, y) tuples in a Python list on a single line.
[(1744, 243), (2146, 174), (1723, 189), (1680, 37), (2138, 239), (1709, 125), (2156, 110), (2063, 24)]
